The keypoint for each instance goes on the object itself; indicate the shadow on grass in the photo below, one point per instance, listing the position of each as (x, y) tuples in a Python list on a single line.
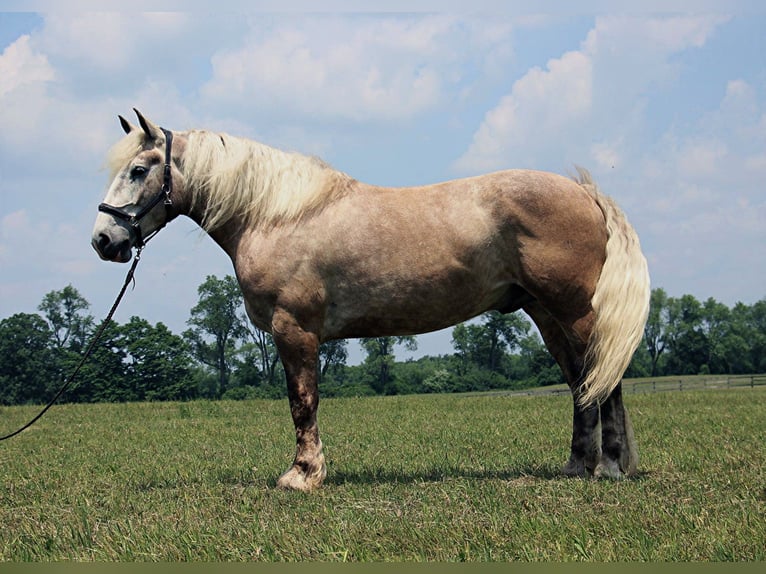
[(437, 474), (370, 476)]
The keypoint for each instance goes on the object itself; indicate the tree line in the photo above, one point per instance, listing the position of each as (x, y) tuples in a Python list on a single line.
[(221, 355)]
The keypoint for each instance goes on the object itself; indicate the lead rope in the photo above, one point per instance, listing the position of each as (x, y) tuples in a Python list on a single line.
[(91, 346)]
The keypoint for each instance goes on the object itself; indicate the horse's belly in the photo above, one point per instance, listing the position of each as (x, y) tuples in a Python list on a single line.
[(409, 303)]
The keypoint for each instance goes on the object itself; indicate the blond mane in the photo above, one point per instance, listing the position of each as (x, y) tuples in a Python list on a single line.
[(123, 152), (228, 176)]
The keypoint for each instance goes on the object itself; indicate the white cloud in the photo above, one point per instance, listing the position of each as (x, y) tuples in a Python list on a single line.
[(13, 224), (26, 240), (594, 93), (541, 103), (620, 36), (704, 207), (725, 147), (756, 164), (701, 158), (351, 67), (111, 42), (62, 86), (608, 155), (20, 66), (25, 78)]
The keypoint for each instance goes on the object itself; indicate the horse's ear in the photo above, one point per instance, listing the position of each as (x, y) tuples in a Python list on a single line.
[(151, 131), (126, 125)]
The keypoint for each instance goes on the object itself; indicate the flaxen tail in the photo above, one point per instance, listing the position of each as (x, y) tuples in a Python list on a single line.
[(620, 302)]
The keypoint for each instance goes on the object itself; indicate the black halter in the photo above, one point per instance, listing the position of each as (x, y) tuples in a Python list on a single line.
[(163, 195)]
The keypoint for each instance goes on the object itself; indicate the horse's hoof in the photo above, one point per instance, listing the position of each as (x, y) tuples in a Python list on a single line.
[(608, 469), (575, 469), (296, 479)]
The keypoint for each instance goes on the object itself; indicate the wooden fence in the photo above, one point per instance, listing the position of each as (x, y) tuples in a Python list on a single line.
[(700, 383), (664, 384)]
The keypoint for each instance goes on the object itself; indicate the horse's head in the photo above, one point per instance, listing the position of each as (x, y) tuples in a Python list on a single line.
[(142, 179)]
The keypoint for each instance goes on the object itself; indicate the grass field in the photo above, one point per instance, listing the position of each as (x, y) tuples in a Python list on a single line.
[(418, 478)]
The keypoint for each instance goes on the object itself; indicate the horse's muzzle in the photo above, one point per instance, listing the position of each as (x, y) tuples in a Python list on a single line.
[(108, 250)]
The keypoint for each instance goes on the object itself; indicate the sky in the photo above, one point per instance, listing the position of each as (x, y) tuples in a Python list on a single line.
[(666, 108)]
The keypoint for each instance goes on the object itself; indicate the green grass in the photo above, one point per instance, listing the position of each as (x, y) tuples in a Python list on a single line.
[(442, 477)]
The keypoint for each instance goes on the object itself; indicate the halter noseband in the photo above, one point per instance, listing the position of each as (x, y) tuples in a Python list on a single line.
[(164, 194)]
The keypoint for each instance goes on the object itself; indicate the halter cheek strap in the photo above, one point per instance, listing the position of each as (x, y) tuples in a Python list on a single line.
[(163, 195)]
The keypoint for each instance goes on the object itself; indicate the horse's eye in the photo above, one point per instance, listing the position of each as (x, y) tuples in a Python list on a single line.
[(138, 171)]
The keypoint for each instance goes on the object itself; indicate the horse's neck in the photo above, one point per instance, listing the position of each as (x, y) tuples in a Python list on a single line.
[(226, 235), (275, 187)]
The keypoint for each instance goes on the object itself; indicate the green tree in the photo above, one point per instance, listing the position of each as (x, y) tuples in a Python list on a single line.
[(332, 356), (717, 328), (754, 320), (745, 344), (537, 367), (656, 329), (640, 364), (684, 336), (29, 364), (216, 326), (157, 362), (741, 339), (257, 373), (379, 362), (486, 343), (65, 312), (103, 377), (263, 353), (687, 343)]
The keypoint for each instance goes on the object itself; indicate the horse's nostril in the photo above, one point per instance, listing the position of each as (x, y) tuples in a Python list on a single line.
[(110, 249)]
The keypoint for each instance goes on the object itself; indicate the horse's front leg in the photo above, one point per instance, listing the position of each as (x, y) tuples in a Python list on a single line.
[(298, 350)]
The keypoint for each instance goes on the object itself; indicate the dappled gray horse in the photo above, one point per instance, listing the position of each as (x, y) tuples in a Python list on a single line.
[(321, 256)]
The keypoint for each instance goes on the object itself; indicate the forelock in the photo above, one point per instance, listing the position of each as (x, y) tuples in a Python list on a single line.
[(123, 152)]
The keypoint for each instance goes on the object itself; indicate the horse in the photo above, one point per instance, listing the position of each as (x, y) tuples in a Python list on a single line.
[(321, 256)]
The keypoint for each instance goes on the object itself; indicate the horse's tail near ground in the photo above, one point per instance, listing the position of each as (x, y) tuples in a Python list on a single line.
[(620, 302)]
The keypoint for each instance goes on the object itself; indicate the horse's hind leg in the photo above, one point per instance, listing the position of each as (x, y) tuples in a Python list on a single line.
[(568, 351), (585, 450), (603, 445), (619, 455)]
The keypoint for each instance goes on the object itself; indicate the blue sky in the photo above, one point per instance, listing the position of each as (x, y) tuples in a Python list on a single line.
[(667, 110)]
